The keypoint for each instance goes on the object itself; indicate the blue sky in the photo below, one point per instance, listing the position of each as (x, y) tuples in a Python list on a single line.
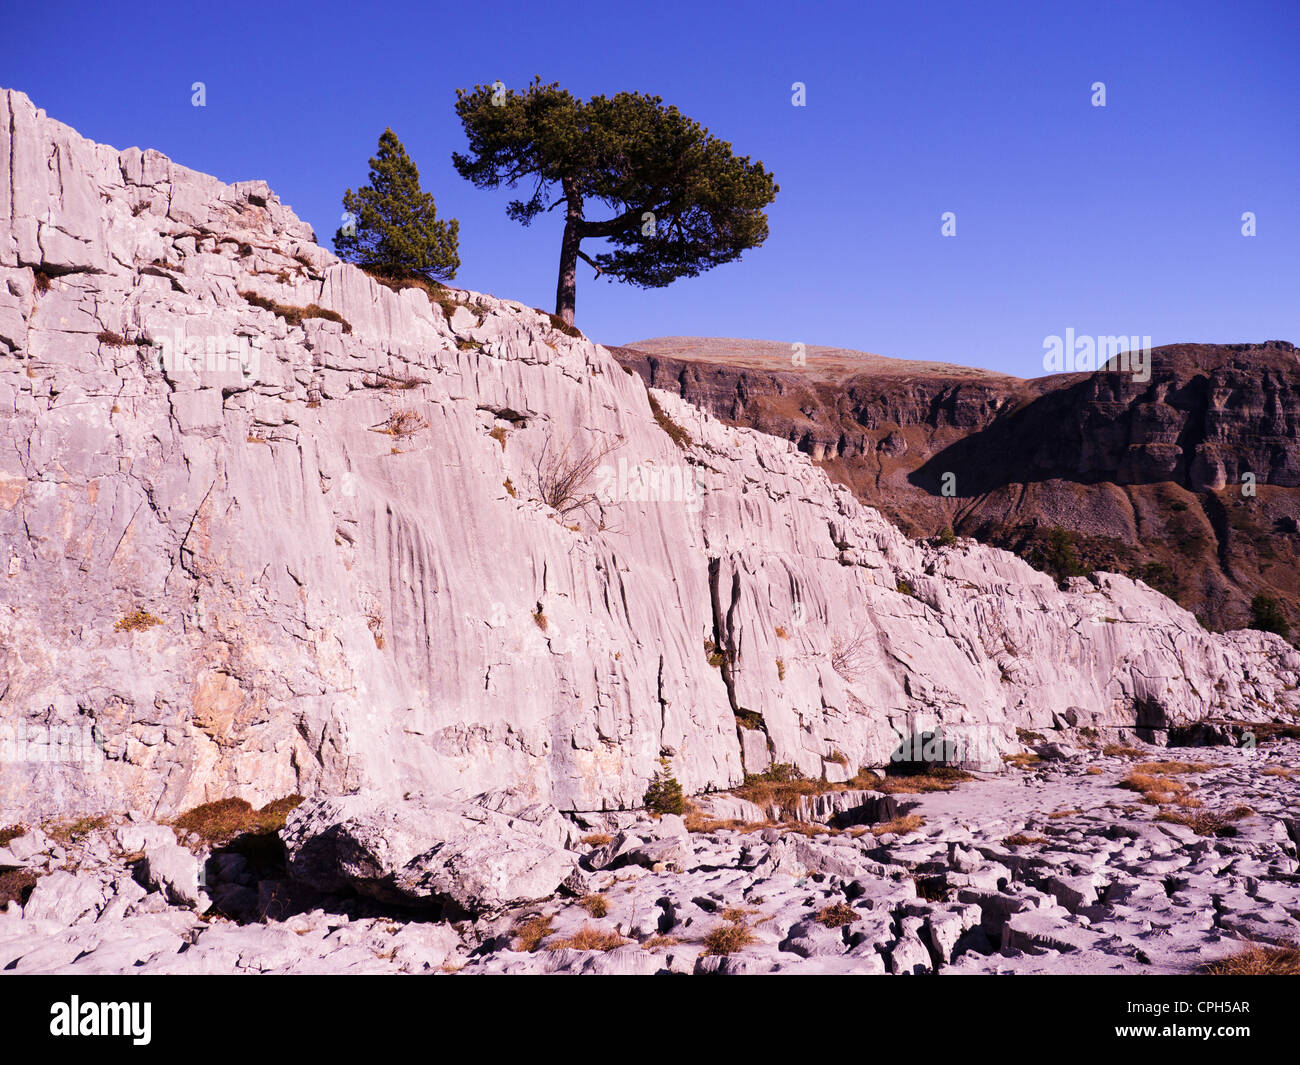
[(1117, 220)]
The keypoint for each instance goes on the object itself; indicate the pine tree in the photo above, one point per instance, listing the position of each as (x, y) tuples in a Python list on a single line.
[(393, 230), (678, 200)]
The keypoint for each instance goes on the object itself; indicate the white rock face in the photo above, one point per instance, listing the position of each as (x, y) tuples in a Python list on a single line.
[(342, 610)]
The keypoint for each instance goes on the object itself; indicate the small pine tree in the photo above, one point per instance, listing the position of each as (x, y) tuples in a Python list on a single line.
[(394, 230), (664, 796), (1266, 615)]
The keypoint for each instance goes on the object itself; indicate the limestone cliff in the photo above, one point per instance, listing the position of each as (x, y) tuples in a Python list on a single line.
[(269, 526)]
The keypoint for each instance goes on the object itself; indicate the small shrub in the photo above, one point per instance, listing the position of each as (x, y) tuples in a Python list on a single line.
[(1206, 822), (509, 486), (498, 434), (10, 833), (780, 669), (781, 633), (597, 839), (41, 281), (947, 537), (1022, 840), (111, 340), (1266, 615), (137, 621), (837, 916)]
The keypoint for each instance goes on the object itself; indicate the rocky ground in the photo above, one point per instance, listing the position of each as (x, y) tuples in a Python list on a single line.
[(1142, 859)]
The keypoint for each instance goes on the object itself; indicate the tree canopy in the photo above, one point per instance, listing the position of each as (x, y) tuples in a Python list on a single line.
[(392, 228), (678, 200)]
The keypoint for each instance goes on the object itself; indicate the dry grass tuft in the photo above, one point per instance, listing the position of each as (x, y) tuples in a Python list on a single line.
[(659, 942), (1258, 960), (530, 933), (1120, 750), (589, 938), (727, 938), (899, 825), (1022, 840), (1024, 760), (295, 315), (597, 839), (596, 905), (1170, 768)]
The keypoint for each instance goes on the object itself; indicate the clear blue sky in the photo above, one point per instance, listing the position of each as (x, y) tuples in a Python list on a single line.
[(1117, 220)]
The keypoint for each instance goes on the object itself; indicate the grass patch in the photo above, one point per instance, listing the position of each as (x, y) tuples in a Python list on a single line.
[(137, 621), (597, 839), (1022, 840), (65, 832), (1158, 790), (1025, 760), (10, 833), (932, 778), (676, 433), (837, 916), (15, 886), (221, 821), (1120, 750), (899, 826), (295, 315)]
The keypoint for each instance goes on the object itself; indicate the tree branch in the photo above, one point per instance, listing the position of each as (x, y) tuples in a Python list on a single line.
[(592, 262)]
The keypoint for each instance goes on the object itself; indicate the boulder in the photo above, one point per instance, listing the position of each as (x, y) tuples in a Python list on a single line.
[(423, 851)]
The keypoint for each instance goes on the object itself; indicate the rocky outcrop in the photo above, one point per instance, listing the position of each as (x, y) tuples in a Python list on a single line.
[(272, 527)]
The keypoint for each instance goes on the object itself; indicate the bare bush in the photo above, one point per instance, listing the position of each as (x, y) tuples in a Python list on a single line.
[(405, 423), (854, 654), (562, 476)]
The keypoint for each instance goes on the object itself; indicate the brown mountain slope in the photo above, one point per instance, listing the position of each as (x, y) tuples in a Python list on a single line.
[(1142, 477)]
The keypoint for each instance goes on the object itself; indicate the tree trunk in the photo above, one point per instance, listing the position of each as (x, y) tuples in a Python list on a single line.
[(566, 289)]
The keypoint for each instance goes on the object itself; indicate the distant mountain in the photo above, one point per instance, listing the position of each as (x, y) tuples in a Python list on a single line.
[(1144, 477)]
